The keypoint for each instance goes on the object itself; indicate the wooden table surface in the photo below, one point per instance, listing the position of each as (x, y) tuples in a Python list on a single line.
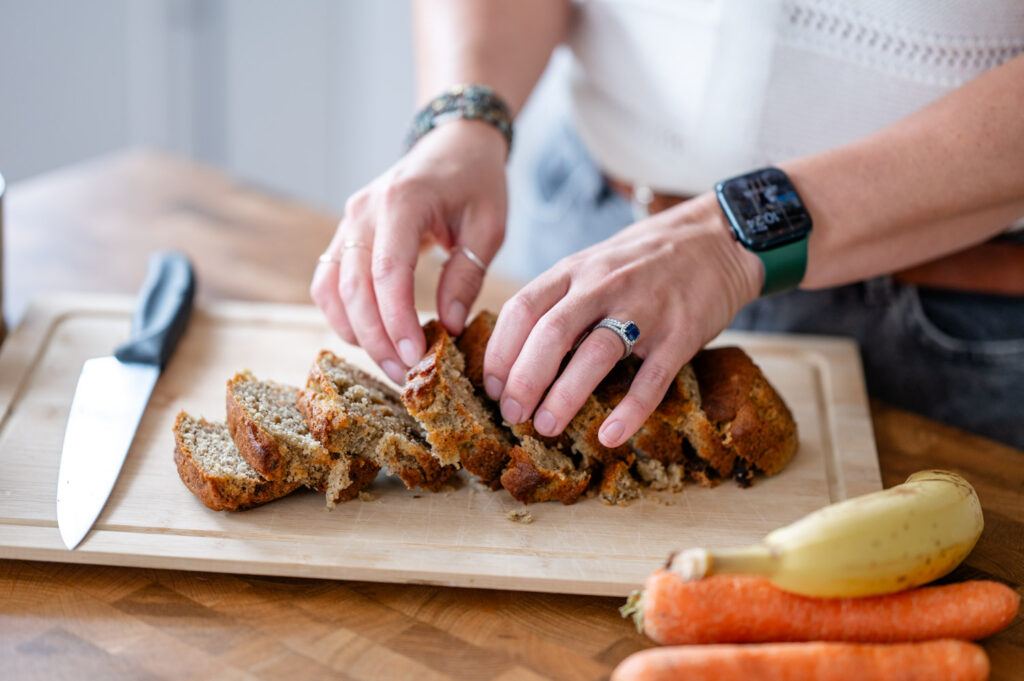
[(89, 228)]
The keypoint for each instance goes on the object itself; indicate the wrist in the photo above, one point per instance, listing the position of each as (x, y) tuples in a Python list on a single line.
[(472, 102), (474, 135), (746, 270)]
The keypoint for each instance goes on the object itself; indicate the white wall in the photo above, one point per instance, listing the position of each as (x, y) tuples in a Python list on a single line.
[(307, 98), (63, 70)]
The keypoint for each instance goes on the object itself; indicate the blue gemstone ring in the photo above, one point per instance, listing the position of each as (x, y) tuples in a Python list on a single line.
[(627, 332)]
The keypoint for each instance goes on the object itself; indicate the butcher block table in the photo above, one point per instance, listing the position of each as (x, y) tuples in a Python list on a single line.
[(88, 230)]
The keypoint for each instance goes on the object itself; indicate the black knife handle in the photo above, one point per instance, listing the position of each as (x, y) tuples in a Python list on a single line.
[(161, 310)]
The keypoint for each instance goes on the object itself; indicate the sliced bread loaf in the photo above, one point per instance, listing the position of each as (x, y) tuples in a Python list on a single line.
[(348, 410), (459, 427), (271, 434), (212, 468)]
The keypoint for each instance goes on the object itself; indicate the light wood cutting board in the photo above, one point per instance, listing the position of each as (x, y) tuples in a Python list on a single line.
[(457, 538)]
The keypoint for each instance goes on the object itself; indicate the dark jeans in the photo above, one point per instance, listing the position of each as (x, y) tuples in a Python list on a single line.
[(954, 357)]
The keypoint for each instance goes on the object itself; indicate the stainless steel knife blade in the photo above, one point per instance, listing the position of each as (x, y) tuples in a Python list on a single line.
[(108, 405), (112, 394)]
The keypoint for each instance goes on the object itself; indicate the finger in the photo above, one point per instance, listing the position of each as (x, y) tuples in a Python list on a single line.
[(355, 286), (590, 363), (479, 238), (323, 288), (541, 356), (646, 392), (517, 318), (395, 251), (324, 291)]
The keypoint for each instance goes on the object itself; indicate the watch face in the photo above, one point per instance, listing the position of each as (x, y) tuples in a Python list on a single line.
[(764, 209)]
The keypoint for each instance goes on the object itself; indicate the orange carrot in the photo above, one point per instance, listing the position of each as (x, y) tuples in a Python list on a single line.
[(744, 609), (946, 659)]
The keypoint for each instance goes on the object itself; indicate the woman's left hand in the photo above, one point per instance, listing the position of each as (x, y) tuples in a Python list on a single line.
[(679, 275)]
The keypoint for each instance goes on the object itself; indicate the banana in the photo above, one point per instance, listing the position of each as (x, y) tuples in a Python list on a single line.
[(869, 545)]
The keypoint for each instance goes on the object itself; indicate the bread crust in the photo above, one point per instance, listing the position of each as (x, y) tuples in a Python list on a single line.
[(340, 429), (358, 472), (441, 398), (217, 492), (530, 483), (255, 445), (750, 416)]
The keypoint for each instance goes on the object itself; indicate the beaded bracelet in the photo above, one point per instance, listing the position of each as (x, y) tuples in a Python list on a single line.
[(472, 102)]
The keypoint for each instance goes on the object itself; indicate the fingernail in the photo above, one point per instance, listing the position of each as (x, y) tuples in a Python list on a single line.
[(394, 372), (611, 433), (407, 351), (457, 315), (511, 411), (544, 422), (493, 387)]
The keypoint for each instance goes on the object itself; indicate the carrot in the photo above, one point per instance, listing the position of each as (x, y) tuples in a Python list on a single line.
[(946, 659), (745, 609)]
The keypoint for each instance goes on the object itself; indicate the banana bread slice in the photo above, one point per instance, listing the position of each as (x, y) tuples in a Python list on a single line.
[(348, 410), (211, 467), (618, 486), (271, 434), (541, 468), (459, 427), (750, 417), (678, 432)]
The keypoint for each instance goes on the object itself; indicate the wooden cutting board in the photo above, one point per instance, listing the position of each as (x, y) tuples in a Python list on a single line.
[(456, 538)]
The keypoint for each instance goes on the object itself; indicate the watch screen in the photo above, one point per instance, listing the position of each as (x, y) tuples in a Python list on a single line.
[(765, 208)]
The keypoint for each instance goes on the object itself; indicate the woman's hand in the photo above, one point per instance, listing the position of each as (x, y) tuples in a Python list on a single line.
[(680, 275), (449, 189)]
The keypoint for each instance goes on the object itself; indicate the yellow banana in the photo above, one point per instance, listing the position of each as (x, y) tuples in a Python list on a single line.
[(873, 544)]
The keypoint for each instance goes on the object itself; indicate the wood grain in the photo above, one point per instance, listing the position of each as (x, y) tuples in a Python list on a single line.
[(88, 622)]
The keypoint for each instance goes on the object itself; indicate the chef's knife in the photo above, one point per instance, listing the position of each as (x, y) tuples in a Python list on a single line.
[(112, 394)]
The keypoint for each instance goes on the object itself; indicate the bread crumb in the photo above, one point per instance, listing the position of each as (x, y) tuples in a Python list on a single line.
[(520, 515), (367, 496)]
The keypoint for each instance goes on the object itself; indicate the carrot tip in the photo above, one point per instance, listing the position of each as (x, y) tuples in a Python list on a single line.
[(634, 608)]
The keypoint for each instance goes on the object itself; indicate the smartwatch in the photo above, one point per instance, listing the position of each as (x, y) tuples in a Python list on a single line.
[(769, 219)]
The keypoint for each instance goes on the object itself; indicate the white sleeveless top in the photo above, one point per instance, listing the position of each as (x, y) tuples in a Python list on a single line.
[(677, 94)]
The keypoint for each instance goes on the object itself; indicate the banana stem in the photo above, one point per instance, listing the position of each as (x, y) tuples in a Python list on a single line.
[(757, 559)]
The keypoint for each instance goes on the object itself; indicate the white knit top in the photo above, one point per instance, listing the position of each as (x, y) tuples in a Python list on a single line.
[(677, 94)]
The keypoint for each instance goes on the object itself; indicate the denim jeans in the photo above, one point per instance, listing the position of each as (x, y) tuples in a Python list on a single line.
[(951, 356)]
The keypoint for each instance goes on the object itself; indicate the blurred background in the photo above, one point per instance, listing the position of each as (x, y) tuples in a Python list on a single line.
[(307, 98)]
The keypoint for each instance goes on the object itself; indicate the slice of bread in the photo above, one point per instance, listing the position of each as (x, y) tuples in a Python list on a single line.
[(212, 468), (348, 410), (271, 434), (541, 468), (458, 425), (751, 419), (618, 486)]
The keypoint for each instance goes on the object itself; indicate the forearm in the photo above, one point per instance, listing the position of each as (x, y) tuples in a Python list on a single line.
[(947, 177), (501, 43)]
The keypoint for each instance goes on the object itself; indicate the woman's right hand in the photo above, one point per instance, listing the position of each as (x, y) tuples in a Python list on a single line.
[(448, 189)]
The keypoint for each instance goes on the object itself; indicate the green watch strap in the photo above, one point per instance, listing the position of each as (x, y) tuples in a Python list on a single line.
[(784, 266)]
